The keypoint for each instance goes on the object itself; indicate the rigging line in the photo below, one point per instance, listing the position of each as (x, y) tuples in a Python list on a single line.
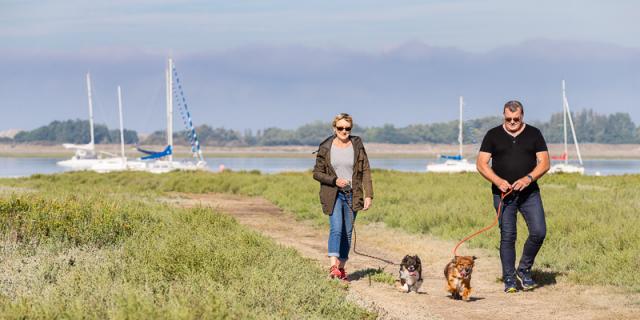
[(183, 103), (180, 107), (188, 116), (186, 132), (151, 102), (189, 132), (197, 152), (185, 117)]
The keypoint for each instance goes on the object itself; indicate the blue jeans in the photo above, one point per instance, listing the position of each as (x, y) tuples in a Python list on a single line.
[(341, 227), (530, 205)]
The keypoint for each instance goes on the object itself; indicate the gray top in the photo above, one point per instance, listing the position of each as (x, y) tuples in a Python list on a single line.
[(342, 161)]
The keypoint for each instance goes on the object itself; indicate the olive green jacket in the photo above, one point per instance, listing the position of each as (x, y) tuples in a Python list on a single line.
[(324, 173)]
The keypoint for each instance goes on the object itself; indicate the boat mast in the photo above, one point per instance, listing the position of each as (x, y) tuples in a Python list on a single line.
[(460, 128), (564, 123), (170, 105), (121, 125), (90, 110), (573, 129)]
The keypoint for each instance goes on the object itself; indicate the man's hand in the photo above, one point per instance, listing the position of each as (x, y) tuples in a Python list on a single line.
[(367, 203), (341, 183), (521, 184), (482, 164), (504, 185)]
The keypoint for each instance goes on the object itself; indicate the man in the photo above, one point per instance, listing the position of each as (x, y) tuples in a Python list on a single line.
[(519, 157)]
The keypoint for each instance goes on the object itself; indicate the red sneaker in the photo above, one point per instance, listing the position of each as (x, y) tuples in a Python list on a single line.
[(343, 275), (334, 273)]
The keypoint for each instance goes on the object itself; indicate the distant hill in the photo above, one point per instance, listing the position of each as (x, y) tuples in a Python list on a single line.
[(591, 127)]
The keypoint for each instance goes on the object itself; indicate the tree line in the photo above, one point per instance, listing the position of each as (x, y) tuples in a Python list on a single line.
[(73, 131), (591, 127)]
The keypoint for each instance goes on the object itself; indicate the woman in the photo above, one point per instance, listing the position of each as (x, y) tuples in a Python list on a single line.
[(342, 168)]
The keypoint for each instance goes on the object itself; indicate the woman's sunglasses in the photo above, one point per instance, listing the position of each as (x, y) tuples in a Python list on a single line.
[(347, 129)]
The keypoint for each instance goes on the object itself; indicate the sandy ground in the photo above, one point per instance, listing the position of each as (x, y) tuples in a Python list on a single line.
[(555, 299), (589, 151)]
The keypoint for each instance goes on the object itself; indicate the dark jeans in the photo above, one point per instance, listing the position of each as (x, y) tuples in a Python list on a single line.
[(530, 205)]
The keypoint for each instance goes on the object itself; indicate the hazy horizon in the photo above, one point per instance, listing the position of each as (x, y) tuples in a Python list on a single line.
[(248, 65)]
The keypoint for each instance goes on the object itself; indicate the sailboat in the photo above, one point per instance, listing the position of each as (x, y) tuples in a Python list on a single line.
[(565, 167), (162, 161), (85, 154), (115, 163), (456, 163)]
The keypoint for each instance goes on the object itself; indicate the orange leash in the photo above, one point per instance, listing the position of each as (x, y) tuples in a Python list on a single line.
[(495, 221)]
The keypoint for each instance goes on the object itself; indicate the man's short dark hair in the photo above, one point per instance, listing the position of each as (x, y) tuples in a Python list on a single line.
[(513, 106)]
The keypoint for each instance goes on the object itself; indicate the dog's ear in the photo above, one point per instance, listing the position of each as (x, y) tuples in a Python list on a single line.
[(474, 258), (404, 260), (418, 259)]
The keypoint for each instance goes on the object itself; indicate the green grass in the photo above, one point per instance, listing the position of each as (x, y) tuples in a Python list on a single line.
[(90, 221), (71, 254), (375, 275), (592, 221)]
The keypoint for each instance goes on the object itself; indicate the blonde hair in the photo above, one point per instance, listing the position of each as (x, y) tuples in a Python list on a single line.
[(342, 116)]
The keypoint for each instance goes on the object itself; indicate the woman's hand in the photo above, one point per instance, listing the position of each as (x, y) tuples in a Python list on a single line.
[(367, 203), (341, 183)]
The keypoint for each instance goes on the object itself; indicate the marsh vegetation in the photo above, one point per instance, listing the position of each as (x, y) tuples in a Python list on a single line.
[(100, 244), (98, 252)]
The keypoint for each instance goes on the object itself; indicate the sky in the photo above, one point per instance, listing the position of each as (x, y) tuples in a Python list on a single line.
[(257, 64)]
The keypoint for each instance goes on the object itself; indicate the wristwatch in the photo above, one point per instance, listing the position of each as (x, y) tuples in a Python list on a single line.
[(530, 177)]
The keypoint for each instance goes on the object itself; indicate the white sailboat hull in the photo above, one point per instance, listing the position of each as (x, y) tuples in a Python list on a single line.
[(110, 165), (78, 164), (121, 164), (452, 166), (566, 168), (164, 166)]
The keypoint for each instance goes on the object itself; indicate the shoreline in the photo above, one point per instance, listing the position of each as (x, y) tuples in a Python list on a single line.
[(374, 150)]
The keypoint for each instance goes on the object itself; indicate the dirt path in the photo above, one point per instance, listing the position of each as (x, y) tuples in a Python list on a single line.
[(555, 300)]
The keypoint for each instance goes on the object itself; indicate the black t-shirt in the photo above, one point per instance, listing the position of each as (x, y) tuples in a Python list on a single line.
[(513, 157)]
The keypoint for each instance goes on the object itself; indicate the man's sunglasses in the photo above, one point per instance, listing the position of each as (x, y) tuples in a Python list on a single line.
[(347, 129), (516, 120)]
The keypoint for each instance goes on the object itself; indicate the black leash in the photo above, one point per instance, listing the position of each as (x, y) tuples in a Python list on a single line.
[(349, 196)]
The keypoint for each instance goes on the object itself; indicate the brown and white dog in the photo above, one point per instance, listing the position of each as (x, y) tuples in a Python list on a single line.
[(458, 275), (410, 273)]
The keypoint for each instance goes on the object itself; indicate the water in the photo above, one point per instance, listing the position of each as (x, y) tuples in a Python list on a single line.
[(20, 167)]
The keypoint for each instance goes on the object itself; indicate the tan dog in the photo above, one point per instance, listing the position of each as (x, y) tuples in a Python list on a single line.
[(458, 275)]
